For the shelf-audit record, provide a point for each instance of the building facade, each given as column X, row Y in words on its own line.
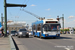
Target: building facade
column 11, row 25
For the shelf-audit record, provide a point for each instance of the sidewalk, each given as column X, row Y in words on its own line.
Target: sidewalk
column 4, row 43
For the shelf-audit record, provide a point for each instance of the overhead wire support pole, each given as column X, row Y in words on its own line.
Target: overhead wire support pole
column 5, row 13
column 2, row 19
column 15, row 5
column 63, row 22
column 5, row 18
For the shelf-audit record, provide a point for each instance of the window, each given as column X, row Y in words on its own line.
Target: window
column 51, row 21
column 22, row 30
column 51, row 27
column 39, row 27
column 13, row 32
column 16, row 28
column 33, row 27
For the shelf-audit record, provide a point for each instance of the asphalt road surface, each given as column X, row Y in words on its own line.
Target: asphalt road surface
column 65, row 42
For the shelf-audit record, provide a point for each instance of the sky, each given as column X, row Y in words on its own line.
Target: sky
column 42, row 8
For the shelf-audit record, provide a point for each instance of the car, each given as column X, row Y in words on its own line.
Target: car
column 13, row 33
column 23, row 33
column 16, row 33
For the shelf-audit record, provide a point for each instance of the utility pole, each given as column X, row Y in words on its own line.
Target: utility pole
column 5, row 18
column 2, row 19
column 63, row 22
column 5, row 13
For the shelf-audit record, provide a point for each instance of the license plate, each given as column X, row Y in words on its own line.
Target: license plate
column 23, row 35
column 52, row 34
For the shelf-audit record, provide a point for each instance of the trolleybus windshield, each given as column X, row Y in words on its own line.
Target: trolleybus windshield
column 51, row 27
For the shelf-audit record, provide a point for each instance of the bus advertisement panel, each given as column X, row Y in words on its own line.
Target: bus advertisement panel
column 0, row 25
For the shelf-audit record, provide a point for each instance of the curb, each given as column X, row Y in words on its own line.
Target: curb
column 12, row 45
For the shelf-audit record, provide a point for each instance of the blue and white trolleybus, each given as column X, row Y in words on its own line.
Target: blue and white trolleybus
column 46, row 28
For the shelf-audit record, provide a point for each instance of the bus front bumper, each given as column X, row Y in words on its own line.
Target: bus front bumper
column 46, row 35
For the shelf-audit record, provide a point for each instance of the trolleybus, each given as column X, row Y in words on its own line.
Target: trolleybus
column 46, row 28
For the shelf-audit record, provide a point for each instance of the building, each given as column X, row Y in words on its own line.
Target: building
column 11, row 25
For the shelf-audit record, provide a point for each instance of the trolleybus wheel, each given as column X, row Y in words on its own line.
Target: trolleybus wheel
column 34, row 36
column 18, row 36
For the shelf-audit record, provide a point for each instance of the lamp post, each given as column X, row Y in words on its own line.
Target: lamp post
column 62, row 21
column 5, row 18
column 2, row 18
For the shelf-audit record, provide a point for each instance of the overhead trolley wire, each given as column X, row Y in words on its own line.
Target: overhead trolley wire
column 20, row 9
column 27, row 1
column 40, row 18
column 24, row 1
column 31, row 13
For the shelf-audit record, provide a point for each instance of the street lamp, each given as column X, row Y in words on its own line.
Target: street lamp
column 2, row 19
column 62, row 21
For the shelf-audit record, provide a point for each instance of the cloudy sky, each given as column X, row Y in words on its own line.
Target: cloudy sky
column 41, row 8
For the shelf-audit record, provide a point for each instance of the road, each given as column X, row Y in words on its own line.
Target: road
column 65, row 42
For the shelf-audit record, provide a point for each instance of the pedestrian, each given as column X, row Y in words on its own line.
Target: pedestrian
column 7, row 32
column 2, row 32
column 68, row 32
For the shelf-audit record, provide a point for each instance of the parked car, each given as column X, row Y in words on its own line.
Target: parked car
column 13, row 33
column 23, row 32
column 16, row 33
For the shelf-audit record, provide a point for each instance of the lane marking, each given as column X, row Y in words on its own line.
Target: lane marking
column 55, row 43
column 67, row 48
column 38, row 39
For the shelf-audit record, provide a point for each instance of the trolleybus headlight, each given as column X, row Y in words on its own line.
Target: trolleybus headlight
column 57, row 34
column 46, row 34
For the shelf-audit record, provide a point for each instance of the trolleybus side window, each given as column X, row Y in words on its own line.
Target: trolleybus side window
column 39, row 27
column 33, row 27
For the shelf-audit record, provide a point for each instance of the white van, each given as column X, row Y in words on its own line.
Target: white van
column 71, row 30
